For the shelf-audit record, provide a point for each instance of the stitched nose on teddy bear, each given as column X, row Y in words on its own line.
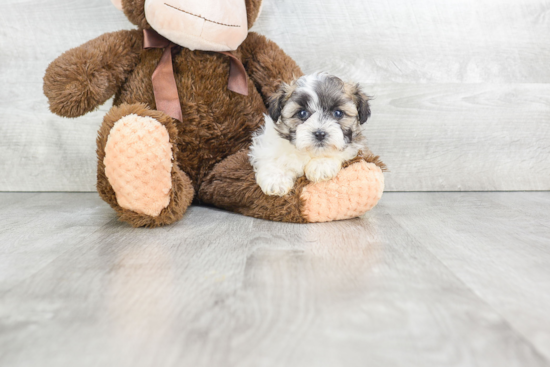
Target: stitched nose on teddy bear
column 206, row 25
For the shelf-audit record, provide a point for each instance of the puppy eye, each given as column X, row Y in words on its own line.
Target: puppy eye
column 303, row 114
column 338, row 114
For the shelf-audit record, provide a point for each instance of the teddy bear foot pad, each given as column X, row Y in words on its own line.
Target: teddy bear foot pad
column 356, row 190
column 138, row 164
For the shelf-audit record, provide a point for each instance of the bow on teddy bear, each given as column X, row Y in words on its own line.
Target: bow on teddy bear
column 153, row 160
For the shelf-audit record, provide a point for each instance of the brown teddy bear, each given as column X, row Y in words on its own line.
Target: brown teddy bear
column 191, row 86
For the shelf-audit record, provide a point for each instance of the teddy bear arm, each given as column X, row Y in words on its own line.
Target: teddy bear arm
column 85, row 77
column 267, row 64
column 357, row 188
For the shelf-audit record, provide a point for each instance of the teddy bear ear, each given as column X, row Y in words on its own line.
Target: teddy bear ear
column 117, row 4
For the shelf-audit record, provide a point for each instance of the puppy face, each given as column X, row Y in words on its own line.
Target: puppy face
column 319, row 113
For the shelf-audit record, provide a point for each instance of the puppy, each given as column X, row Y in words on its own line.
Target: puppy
column 314, row 125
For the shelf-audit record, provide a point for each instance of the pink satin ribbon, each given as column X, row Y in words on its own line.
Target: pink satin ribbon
column 164, row 82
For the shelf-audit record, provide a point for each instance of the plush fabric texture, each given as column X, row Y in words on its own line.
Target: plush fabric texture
column 138, row 164
column 232, row 185
column 209, row 25
column 208, row 147
column 356, row 190
column 85, row 77
column 216, row 122
column 182, row 192
column 135, row 11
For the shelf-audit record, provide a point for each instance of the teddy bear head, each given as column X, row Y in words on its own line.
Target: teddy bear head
column 207, row 25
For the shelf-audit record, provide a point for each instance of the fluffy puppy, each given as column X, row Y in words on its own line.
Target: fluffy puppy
column 314, row 125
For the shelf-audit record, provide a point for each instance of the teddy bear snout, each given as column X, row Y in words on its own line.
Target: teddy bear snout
column 206, row 25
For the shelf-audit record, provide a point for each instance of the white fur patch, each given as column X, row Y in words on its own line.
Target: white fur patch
column 315, row 144
column 278, row 163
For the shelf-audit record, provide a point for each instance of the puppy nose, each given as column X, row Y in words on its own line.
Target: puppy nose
column 320, row 135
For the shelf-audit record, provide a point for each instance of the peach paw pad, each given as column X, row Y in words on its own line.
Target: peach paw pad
column 356, row 190
column 138, row 164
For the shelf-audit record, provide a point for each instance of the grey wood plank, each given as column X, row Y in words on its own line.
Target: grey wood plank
column 461, row 86
column 12, row 198
column 34, row 232
column 40, row 151
column 532, row 204
column 498, row 244
column 462, row 137
column 421, row 41
column 220, row 289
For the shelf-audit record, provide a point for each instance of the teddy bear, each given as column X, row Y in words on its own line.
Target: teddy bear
column 191, row 85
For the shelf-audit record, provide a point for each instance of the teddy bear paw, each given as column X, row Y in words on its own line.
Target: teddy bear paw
column 138, row 164
column 354, row 191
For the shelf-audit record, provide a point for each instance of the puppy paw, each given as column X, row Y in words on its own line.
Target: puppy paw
column 275, row 184
column 318, row 170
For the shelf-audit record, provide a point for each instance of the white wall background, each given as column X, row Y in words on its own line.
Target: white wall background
column 462, row 87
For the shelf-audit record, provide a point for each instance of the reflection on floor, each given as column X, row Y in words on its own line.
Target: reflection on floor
column 425, row 279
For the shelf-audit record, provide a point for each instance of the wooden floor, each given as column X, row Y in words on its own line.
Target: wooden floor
column 425, row 279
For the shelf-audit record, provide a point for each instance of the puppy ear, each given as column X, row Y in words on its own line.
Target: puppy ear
column 277, row 103
column 362, row 103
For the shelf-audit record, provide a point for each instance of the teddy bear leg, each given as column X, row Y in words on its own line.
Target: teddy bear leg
column 356, row 189
column 137, row 174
